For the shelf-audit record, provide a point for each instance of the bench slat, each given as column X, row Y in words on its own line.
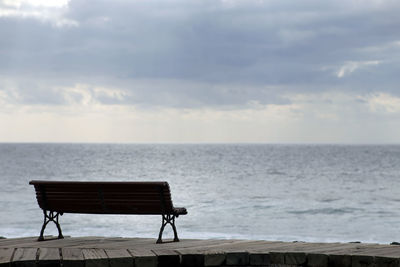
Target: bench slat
column 62, row 206
column 114, row 210
column 100, row 197
column 79, row 200
column 105, row 195
column 109, row 203
column 116, row 193
column 106, row 186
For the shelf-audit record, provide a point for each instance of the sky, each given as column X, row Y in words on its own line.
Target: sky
column 200, row 71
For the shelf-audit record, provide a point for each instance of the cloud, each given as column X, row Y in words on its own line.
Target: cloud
column 207, row 41
column 328, row 117
column 351, row 66
column 383, row 103
column 317, row 62
column 202, row 53
column 35, row 3
column 83, row 94
column 41, row 10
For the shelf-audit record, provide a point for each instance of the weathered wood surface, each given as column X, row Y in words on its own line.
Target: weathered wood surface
column 48, row 257
column 6, row 256
column 143, row 252
column 119, row 257
column 25, row 257
column 95, row 257
column 72, row 257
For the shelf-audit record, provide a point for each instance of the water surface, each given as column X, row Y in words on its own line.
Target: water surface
column 273, row 192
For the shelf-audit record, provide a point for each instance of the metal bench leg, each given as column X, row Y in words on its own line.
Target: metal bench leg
column 50, row 216
column 167, row 219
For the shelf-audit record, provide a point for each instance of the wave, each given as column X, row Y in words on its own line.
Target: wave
column 326, row 211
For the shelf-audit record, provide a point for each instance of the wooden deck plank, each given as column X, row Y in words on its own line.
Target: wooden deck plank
column 384, row 261
column 339, row 260
column 283, row 246
column 49, row 254
column 11, row 242
column 234, row 253
column 216, row 253
column 191, row 255
column 234, row 246
column 214, row 258
column 122, row 243
column 72, row 257
column 317, row 260
column 191, row 243
column 49, row 257
column 187, row 244
column 143, row 257
column 102, row 242
column 347, row 249
column 201, row 256
column 95, row 257
column 6, row 256
column 257, row 259
column 119, row 258
column 166, row 257
column 82, row 242
column 25, row 257
column 386, row 251
column 34, row 243
column 294, row 253
column 69, row 254
column 212, row 246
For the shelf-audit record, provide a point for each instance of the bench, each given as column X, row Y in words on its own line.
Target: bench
column 146, row 198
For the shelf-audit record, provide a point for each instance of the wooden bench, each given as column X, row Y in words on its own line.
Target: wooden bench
column 146, row 198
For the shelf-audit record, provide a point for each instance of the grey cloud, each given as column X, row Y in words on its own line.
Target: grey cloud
column 144, row 93
column 210, row 46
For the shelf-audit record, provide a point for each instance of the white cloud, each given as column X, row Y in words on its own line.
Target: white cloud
column 78, row 95
column 383, row 103
column 42, row 10
column 9, row 94
column 36, row 3
column 199, row 70
column 351, row 66
column 119, row 123
column 291, row 37
column 330, row 106
column 111, row 93
column 3, row 97
column 87, row 95
column 311, row 118
column 390, row 46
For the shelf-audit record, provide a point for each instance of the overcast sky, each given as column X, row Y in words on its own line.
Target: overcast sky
column 273, row 71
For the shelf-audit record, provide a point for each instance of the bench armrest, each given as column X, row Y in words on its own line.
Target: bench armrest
column 179, row 211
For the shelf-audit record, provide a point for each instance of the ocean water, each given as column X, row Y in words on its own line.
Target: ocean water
column 318, row 193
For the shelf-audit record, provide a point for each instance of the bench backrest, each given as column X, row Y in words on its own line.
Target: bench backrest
column 104, row 197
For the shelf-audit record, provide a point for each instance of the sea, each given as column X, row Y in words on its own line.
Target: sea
column 311, row 193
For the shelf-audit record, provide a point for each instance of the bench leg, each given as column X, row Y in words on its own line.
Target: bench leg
column 50, row 216
column 167, row 219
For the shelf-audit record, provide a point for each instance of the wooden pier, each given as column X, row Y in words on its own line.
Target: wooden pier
column 142, row 252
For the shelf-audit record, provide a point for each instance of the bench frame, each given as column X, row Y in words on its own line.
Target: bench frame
column 49, row 216
column 53, row 216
